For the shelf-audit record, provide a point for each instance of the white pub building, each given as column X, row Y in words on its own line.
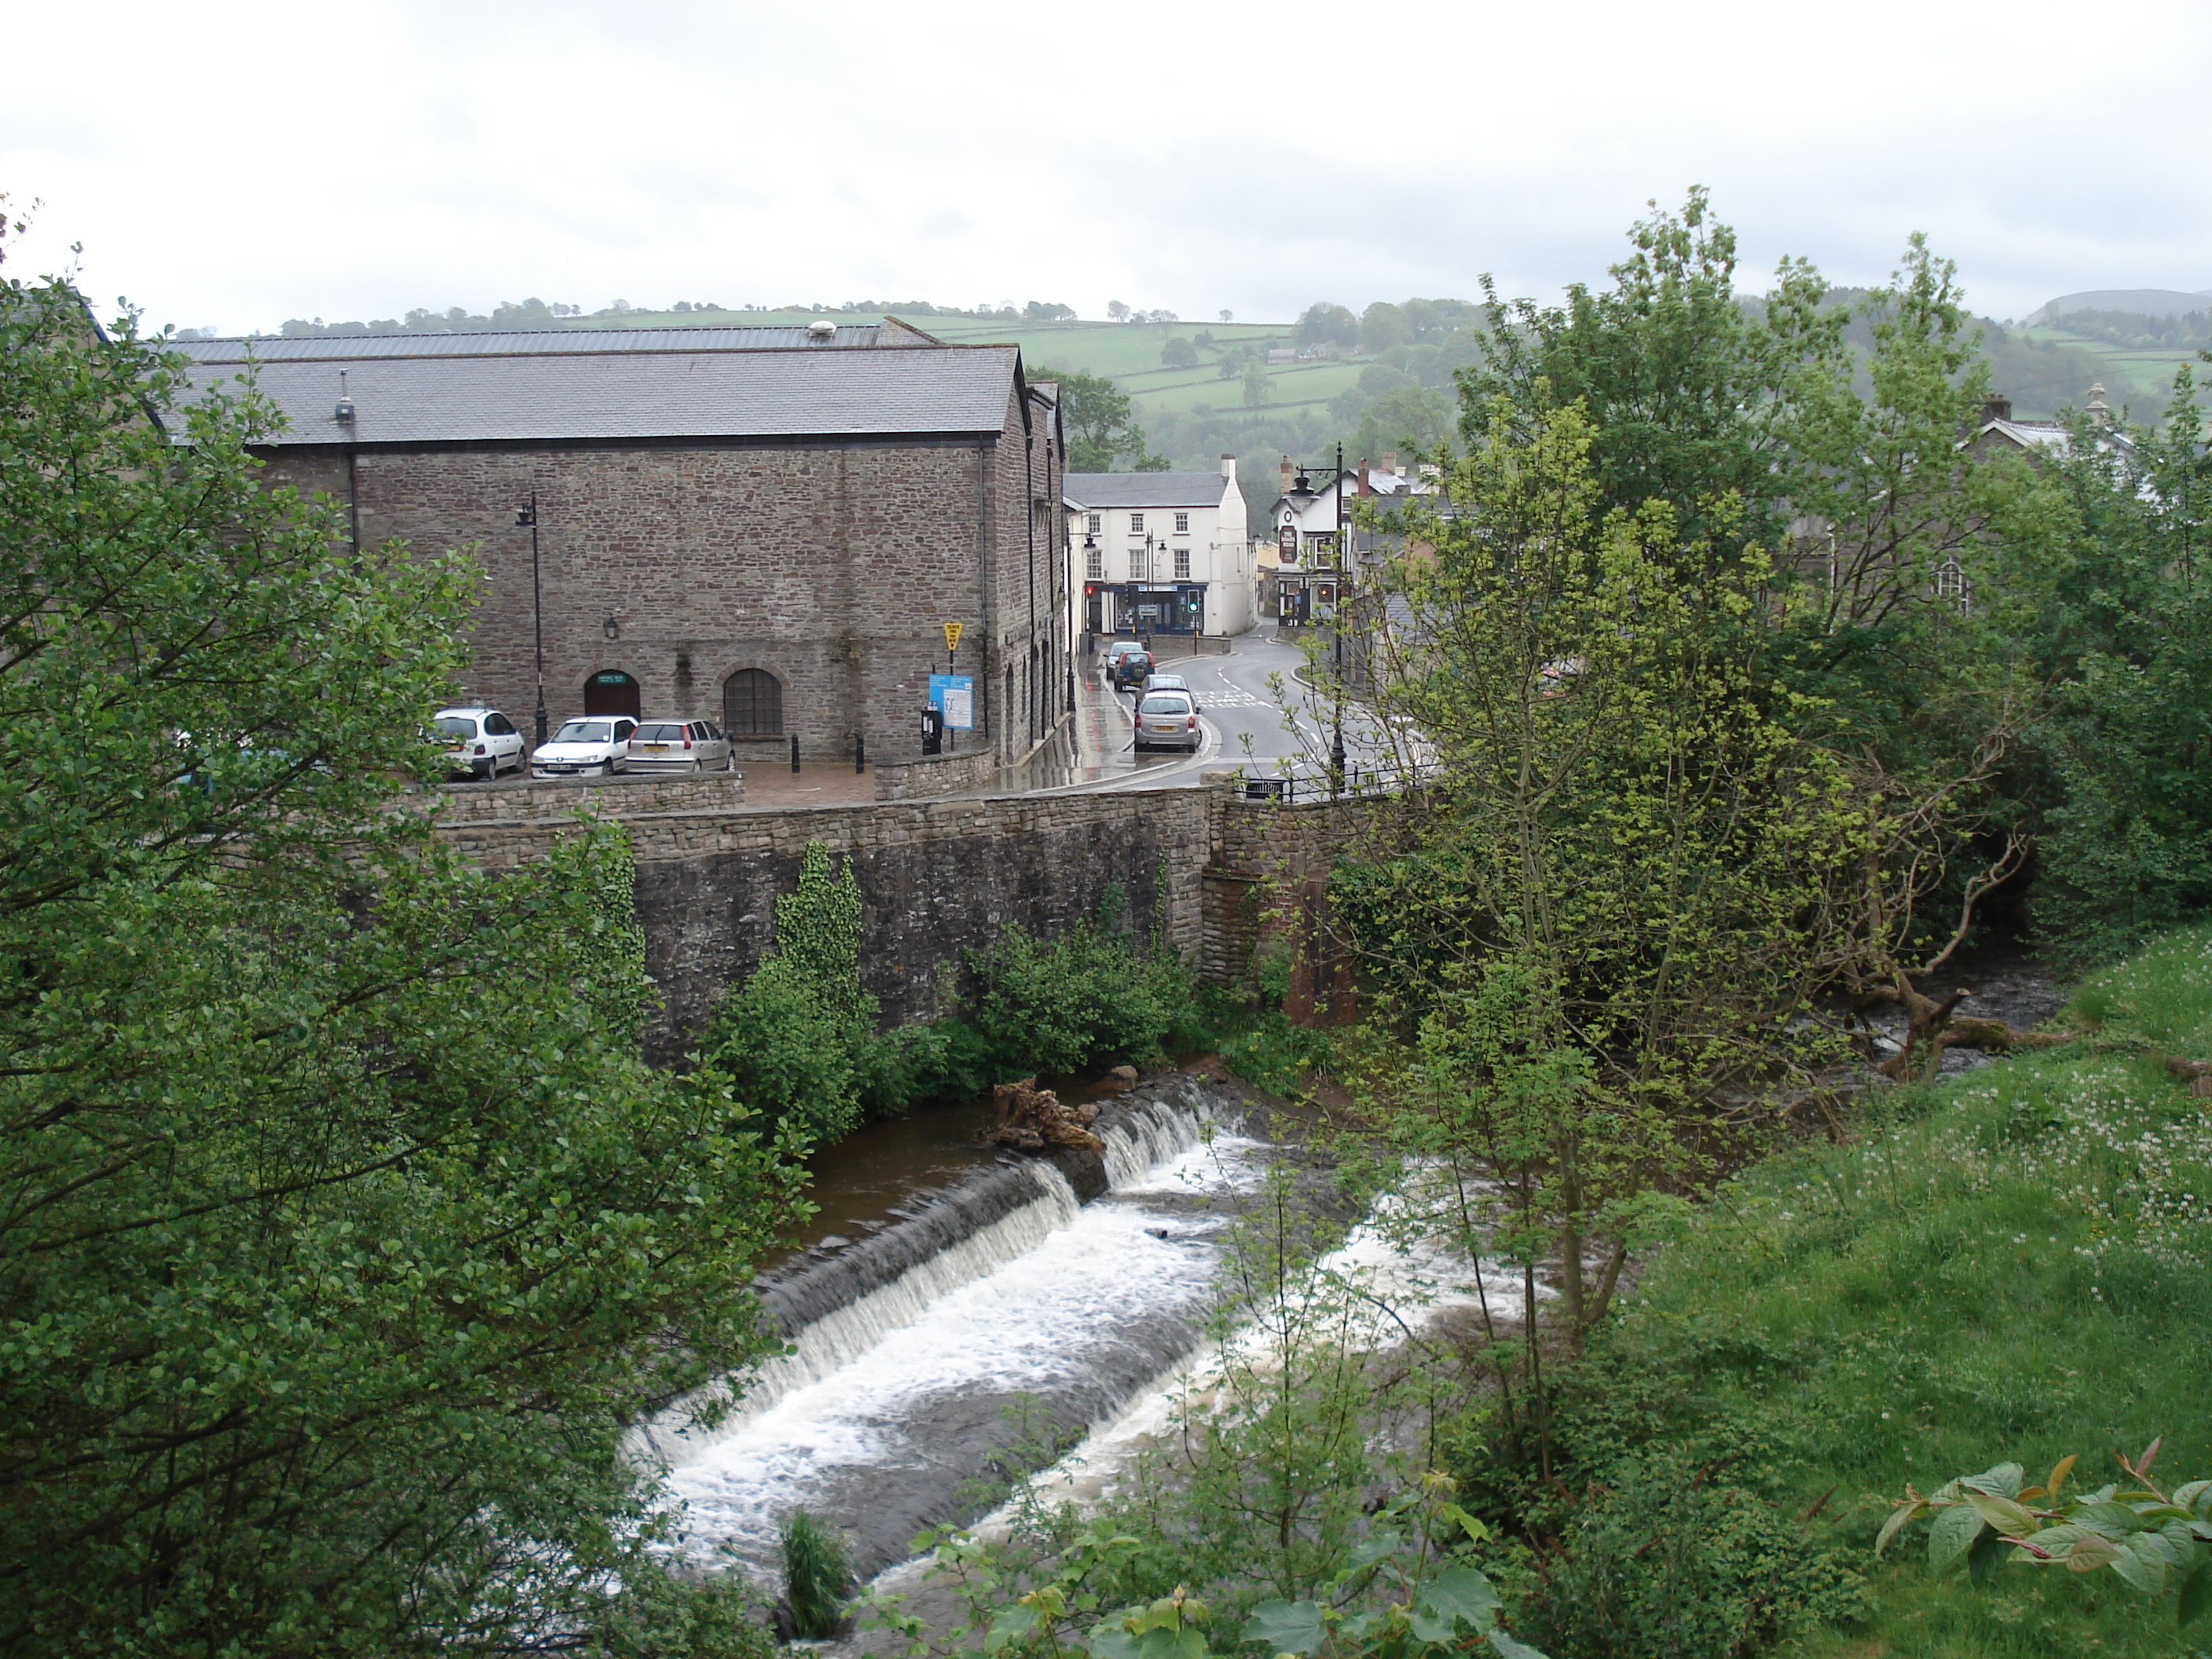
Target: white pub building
column 1160, row 552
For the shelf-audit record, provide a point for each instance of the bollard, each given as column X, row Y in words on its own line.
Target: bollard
column 794, row 751
column 859, row 752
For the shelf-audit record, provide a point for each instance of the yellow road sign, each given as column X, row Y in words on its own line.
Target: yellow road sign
column 952, row 636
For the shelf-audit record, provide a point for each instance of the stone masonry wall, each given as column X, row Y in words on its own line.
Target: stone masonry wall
column 935, row 876
column 1212, row 874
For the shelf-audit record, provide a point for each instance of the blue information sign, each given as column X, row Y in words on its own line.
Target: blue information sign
column 953, row 696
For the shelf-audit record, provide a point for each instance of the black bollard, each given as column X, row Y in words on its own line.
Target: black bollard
column 794, row 751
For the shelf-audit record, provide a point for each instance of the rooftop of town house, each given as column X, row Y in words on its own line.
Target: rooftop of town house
column 1100, row 490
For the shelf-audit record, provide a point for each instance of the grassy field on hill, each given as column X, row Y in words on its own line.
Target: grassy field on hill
column 2013, row 1265
column 2139, row 379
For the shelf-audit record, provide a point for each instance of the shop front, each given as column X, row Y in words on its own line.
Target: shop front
column 1160, row 607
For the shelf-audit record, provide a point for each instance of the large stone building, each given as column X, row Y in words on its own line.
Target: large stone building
column 766, row 526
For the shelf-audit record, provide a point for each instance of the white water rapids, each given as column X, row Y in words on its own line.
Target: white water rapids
column 1091, row 1314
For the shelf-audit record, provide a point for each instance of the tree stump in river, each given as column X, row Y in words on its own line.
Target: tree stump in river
column 1030, row 1119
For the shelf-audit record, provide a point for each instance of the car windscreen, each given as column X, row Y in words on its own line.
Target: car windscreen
column 455, row 725
column 659, row 733
column 585, row 731
column 1168, row 703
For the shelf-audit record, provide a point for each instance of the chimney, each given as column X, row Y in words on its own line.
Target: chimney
column 1287, row 475
column 1228, row 466
column 1996, row 407
column 1364, row 489
column 2099, row 411
column 1390, row 463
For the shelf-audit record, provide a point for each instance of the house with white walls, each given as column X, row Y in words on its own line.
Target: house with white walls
column 1160, row 552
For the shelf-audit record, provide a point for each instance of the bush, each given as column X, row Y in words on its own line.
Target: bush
column 818, row 1581
column 1670, row 1562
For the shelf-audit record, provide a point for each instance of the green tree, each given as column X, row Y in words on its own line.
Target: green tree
column 1689, row 394
column 1383, row 325
column 1179, row 353
column 1258, row 387
column 343, row 1230
column 1324, row 324
column 1102, row 426
column 1617, row 900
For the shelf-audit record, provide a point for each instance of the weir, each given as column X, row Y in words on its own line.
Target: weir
column 992, row 1322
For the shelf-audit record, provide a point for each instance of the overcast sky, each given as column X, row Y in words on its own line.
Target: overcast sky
column 236, row 162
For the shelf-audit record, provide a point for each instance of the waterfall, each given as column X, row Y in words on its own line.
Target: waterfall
column 845, row 1330
column 990, row 1316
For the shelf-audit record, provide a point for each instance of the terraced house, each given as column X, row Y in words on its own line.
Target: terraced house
column 765, row 526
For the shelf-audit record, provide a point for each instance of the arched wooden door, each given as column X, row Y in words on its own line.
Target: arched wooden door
column 610, row 691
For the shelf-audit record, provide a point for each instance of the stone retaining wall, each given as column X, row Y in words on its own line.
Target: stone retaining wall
column 1212, row 874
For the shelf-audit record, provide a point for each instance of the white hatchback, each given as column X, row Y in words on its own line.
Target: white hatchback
column 680, row 746
column 479, row 741
column 595, row 744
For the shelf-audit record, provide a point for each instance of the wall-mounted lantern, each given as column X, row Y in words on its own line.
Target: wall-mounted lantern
column 612, row 628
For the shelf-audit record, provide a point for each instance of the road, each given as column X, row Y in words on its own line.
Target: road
column 1242, row 715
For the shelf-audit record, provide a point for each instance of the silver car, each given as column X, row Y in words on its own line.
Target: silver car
column 680, row 746
column 1168, row 720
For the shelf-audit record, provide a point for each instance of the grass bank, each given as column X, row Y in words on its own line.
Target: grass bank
column 2007, row 1266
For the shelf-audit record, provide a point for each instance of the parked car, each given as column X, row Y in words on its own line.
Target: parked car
column 1167, row 720
column 594, row 743
column 484, row 743
column 680, row 746
column 1127, row 663
column 1171, row 683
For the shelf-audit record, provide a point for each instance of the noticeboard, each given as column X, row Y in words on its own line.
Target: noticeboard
column 953, row 696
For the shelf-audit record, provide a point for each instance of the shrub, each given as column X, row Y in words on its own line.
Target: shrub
column 1670, row 1562
column 818, row 1581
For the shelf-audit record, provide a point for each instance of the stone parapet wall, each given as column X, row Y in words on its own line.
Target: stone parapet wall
column 935, row 775
column 621, row 797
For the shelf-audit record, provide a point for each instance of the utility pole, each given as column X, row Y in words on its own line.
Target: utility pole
column 1336, row 631
column 525, row 516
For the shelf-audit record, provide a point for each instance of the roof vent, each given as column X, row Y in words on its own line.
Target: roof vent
column 821, row 329
column 343, row 416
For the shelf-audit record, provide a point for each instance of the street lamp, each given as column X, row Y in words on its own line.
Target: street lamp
column 525, row 518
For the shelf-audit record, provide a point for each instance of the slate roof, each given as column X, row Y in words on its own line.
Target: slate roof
column 533, row 342
column 644, row 390
column 1100, row 490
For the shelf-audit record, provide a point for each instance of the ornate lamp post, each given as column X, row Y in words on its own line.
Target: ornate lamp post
column 525, row 518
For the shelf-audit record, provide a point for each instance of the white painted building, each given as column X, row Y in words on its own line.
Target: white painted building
column 1160, row 552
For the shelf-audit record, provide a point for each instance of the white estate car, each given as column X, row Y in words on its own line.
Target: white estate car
column 482, row 742
column 591, row 743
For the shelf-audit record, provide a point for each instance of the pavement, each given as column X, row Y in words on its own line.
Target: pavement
column 1257, row 714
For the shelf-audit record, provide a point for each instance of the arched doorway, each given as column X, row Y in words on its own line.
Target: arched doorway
column 610, row 691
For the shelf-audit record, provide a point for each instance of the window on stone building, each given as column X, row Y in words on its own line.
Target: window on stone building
column 1182, row 524
column 1094, row 561
column 1951, row 583
column 1182, row 563
column 752, row 704
column 1137, row 571
column 1136, row 523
